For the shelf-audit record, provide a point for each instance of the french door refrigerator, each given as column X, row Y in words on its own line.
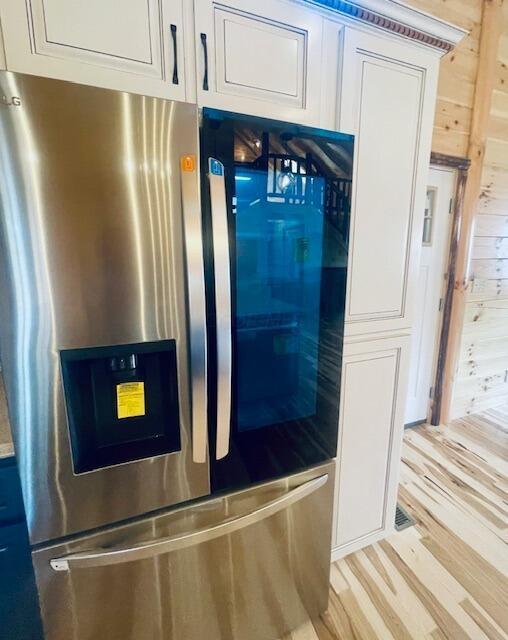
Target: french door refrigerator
column 172, row 287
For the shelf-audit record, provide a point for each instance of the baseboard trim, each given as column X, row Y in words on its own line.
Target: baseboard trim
column 360, row 543
column 416, row 423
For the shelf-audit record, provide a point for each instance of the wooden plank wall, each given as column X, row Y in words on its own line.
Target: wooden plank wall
column 482, row 379
column 457, row 74
column 482, row 375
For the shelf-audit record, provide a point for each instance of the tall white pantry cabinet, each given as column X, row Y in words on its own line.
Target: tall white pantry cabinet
column 366, row 67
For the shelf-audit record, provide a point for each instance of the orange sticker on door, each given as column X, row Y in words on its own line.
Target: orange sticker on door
column 188, row 163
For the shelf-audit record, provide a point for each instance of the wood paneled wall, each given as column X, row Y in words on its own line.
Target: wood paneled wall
column 457, row 75
column 481, row 379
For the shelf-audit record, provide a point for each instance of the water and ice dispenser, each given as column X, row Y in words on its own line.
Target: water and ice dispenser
column 122, row 403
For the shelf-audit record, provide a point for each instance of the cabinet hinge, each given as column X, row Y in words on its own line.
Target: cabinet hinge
column 431, row 393
column 441, row 304
column 450, row 209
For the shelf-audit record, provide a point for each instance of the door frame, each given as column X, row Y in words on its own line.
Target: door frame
column 461, row 165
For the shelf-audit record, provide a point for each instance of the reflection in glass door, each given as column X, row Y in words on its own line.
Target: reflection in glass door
column 288, row 192
column 279, row 249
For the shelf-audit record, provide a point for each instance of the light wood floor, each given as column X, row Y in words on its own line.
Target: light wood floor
column 447, row 576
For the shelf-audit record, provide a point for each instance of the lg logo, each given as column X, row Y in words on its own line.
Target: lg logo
column 13, row 102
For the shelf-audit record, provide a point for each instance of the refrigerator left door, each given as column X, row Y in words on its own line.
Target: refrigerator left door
column 102, row 320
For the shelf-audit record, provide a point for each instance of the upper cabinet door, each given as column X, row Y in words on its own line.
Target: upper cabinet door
column 387, row 101
column 133, row 45
column 259, row 57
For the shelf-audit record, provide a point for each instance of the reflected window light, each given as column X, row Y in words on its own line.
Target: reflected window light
column 286, row 182
column 33, row 157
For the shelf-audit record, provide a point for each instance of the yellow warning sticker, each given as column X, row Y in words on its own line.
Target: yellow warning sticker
column 130, row 399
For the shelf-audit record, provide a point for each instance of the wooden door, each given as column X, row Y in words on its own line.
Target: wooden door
column 431, row 281
column 133, row 45
column 259, row 57
column 387, row 101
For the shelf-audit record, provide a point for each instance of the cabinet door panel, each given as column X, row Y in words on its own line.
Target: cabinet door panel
column 382, row 221
column 128, row 45
column 263, row 58
column 371, row 427
column 387, row 98
column 98, row 27
column 260, row 61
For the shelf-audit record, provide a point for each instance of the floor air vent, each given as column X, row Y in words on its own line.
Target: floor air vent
column 402, row 519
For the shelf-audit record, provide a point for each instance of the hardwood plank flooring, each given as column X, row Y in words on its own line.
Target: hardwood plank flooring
column 446, row 577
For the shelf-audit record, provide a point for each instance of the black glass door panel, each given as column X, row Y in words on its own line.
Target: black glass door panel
column 288, row 191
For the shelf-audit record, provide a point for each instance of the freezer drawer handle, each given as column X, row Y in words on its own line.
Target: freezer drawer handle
column 220, row 238
column 119, row 555
column 196, row 296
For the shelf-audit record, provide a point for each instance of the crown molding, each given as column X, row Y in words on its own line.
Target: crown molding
column 394, row 16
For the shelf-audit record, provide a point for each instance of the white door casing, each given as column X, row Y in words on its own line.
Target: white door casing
column 430, row 289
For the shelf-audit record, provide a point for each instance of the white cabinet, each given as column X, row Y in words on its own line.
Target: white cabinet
column 373, row 384
column 133, row 45
column 387, row 97
column 254, row 57
column 260, row 57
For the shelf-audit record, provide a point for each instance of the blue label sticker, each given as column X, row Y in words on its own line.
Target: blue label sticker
column 216, row 167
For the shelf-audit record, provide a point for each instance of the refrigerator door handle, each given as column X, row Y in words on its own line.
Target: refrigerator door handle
column 220, row 237
column 154, row 548
column 197, row 310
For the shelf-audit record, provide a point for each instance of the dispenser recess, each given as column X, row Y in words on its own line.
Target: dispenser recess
column 122, row 403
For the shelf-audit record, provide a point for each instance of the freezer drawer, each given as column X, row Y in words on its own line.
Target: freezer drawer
column 249, row 565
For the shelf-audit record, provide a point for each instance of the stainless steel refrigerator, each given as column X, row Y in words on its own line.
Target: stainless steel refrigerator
column 172, row 291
